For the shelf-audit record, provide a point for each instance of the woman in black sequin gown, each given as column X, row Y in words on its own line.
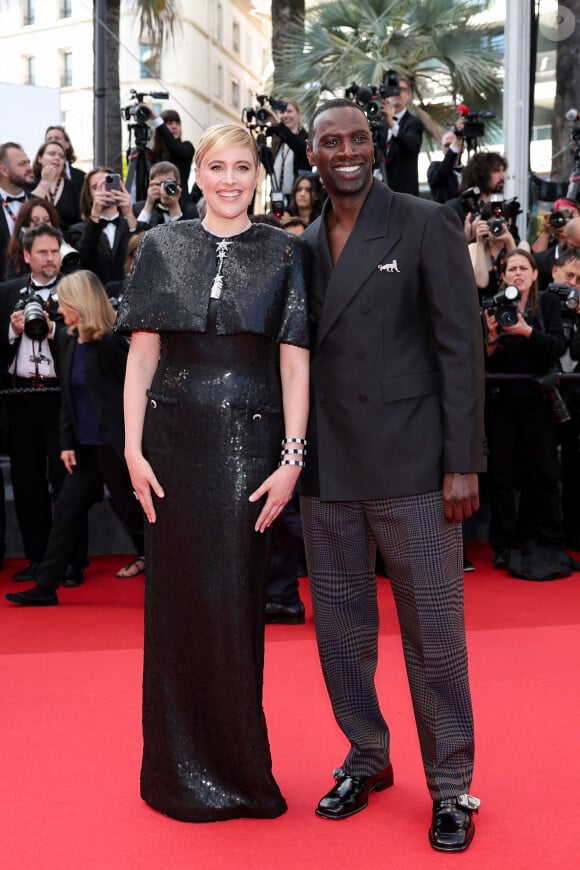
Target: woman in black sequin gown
column 212, row 307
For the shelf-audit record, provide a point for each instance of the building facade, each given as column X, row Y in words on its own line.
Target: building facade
column 211, row 68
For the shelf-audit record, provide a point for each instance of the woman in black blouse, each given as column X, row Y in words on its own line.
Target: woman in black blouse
column 521, row 429
column 54, row 185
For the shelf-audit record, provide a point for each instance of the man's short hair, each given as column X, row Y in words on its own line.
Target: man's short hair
column 566, row 255
column 339, row 103
column 5, row 148
column 479, row 168
column 38, row 230
column 162, row 168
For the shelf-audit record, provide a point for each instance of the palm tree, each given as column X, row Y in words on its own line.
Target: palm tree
column 434, row 43
column 287, row 15
column 157, row 21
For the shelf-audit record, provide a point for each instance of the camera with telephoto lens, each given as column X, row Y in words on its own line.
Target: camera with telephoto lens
column 137, row 112
column 559, row 219
column 549, row 386
column 569, row 299
column 503, row 306
column 369, row 97
column 35, row 324
column 170, row 187
column 259, row 117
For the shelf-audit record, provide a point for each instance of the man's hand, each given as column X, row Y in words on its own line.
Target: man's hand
column 388, row 113
column 460, row 496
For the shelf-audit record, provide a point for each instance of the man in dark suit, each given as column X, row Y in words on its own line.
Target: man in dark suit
column 164, row 203
column 402, row 143
column 394, row 446
column 30, row 361
column 444, row 176
column 15, row 176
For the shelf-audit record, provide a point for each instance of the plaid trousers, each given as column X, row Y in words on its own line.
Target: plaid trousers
column 423, row 556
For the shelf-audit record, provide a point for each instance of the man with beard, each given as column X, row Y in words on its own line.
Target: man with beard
column 482, row 178
column 395, row 444
column 16, row 176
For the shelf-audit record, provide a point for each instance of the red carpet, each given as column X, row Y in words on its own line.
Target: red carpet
column 69, row 720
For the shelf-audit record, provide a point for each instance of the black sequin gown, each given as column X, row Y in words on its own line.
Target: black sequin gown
column 212, row 433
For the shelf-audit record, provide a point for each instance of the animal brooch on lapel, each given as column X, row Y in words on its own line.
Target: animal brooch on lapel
column 389, row 267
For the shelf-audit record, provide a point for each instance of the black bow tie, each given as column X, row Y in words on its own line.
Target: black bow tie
column 21, row 198
column 105, row 222
column 36, row 288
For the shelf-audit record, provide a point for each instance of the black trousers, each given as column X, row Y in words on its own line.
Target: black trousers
column 523, row 439
column 287, row 548
column 80, row 490
column 35, row 466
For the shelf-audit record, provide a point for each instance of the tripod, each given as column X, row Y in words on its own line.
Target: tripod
column 139, row 161
column 267, row 160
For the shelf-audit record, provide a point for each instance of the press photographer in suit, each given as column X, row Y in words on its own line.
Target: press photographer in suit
column 404, row 134
column 30, row 359
column 394, row 446
column 163, row 204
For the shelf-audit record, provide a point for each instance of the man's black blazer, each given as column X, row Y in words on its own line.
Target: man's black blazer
column 443, row 179
column 402, row 156
column 5, row 239
column 96, row 253
column 188, row 208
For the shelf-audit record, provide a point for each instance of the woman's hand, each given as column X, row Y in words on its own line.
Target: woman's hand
column 144, row 480
column 519, row 328
column 279, row 487
column 69, row 459
column 481, row 230
column 50, row 174
column 492, row 327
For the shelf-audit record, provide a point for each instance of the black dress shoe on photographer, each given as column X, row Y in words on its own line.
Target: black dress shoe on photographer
column 350, row 795
column 289, row 614
column 73, row 576
column 38, row 596
column 452, row 827
column 28, row 574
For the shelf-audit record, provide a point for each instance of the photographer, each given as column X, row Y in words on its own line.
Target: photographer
column 493, row 241
column 102, row 238
column 444, row 176
column 482, row 178
column 569, row 237
column 562, row 211
column 566, row 282
column 289, row 145
column 521, row 427
column 29, row 321
column 168, row 145
column 401, row 147
column 163, row 203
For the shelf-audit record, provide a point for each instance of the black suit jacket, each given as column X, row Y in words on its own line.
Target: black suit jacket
column 5, row 238
column 443, row 178
column 96, row 253
column 106, row 361
column 397, row 362
column 188, row 208
column 402, row 156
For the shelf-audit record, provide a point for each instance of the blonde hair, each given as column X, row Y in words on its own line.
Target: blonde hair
column 84, row 294
column 222, row 136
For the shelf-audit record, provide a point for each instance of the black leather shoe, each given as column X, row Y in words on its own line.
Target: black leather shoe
column 38, row 596
column 73, row 576
column 289, row 614
column 350, row 795
column 27, row 574
column 500, row 561
column 452, row 827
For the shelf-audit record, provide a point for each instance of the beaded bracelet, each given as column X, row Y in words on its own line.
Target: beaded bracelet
column 287, row 450
column 298, row 462
column 294, row 441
